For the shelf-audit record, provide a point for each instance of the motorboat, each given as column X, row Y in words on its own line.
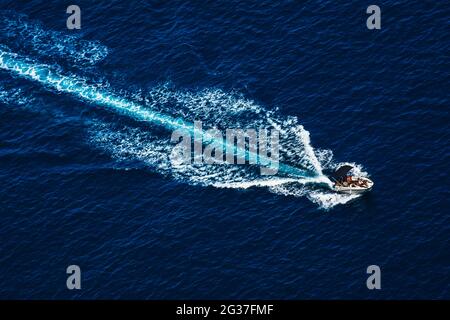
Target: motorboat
column 346, row 183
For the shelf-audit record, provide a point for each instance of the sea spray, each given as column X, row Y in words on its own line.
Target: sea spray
column 25, row 35
column 78, row 87
column 208, row 105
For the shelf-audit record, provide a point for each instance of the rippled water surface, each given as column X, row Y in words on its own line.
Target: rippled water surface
column 86, row 118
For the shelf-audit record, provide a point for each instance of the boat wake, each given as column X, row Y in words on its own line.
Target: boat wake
column 170, row 108
column 127, row 143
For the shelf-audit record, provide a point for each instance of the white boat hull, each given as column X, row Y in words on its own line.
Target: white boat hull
column 355, row 189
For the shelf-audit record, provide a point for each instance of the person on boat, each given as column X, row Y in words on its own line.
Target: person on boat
column 362, row 183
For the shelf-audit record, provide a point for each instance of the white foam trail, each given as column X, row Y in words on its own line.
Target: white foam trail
column 154, row 151
column 267, row 182
column 328, row 200
column 15, row 96
column 32, row 37
column 78, row 87
column 127, row 143
column 304, row 136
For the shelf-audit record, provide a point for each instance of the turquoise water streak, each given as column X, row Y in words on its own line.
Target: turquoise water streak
column 77, row 87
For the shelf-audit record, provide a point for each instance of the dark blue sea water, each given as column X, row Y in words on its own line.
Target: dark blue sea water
column 85, row 183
